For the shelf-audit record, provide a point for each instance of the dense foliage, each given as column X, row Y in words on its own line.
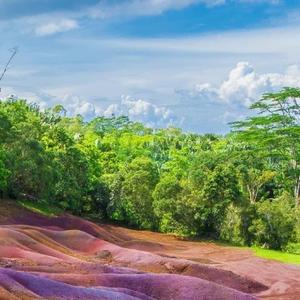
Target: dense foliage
column 243, row 188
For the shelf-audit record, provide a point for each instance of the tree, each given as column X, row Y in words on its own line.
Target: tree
column 25, row 157
column 4, row 173
column 229, row 187
column 70, row 166
column 276, row 130
column 274, row 225
column 220, row 188
column 140, row 178
column 168, row 204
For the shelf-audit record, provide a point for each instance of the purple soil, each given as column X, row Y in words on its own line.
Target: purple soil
column 69, row 258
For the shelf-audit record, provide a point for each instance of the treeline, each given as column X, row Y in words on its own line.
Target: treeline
column 243, row 187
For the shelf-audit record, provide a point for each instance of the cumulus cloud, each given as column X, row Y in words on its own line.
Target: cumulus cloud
column 73, row 104
column 143, row 111
column 242, row 87
column 136, row 109
column 56, row 27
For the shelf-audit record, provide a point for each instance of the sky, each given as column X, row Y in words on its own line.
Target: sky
column 194, row 64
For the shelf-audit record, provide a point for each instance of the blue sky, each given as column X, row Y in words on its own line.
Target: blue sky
column 197, row 64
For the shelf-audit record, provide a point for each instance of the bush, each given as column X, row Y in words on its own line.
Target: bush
column 230, row 230
column 293, row 248
column 275, row 225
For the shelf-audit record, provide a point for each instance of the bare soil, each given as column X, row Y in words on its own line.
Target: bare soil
column 67, row 257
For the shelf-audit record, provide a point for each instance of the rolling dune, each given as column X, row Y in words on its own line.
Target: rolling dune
column 67, row 257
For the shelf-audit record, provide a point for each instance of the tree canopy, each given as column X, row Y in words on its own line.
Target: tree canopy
column 243, row 187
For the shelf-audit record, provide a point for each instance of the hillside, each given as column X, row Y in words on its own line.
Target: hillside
column 65, row 257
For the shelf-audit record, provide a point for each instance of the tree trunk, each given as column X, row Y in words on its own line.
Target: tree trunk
column 297, row 192
column 252, row 194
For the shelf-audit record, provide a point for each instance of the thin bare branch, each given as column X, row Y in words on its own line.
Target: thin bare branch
column 13, row 54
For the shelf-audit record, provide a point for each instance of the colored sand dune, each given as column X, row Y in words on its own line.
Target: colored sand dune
column 69, row 258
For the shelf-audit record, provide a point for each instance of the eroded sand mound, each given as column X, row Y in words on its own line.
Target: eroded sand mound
column 70, row 258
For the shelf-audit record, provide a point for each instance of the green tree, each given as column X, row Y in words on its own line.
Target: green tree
column 220, row 188
column 4, row 173
column 173, row 206
column 229, row 187
column 274, row 226
column 140, row 178
column 276, row 130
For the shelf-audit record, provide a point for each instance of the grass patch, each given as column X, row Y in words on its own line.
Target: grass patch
column 285, row 257
column 277, row 255
column 41, row 207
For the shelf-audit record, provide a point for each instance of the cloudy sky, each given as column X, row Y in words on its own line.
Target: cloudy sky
column 197, row 64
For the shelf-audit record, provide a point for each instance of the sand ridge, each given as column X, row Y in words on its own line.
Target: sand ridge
column 67, row 257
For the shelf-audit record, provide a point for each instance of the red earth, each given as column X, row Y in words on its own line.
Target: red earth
column 67, row 257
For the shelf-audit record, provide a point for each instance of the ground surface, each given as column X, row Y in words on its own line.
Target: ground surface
column 68, row 258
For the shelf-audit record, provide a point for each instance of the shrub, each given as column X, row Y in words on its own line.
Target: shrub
column 230, row 230
column 293, row 248
column 275, row 225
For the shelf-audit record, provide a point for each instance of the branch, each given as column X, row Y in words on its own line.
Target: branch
column 13, row 54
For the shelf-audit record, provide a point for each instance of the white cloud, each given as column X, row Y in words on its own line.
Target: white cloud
column 73, row 104
column 260, row 1
column 56, row 27
column 212, row 106
column 48, row 21
column 137, row 110
column 143, row 7
column 154, row 7
column 143, row 111
column 242, row 87
column 275, row 40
